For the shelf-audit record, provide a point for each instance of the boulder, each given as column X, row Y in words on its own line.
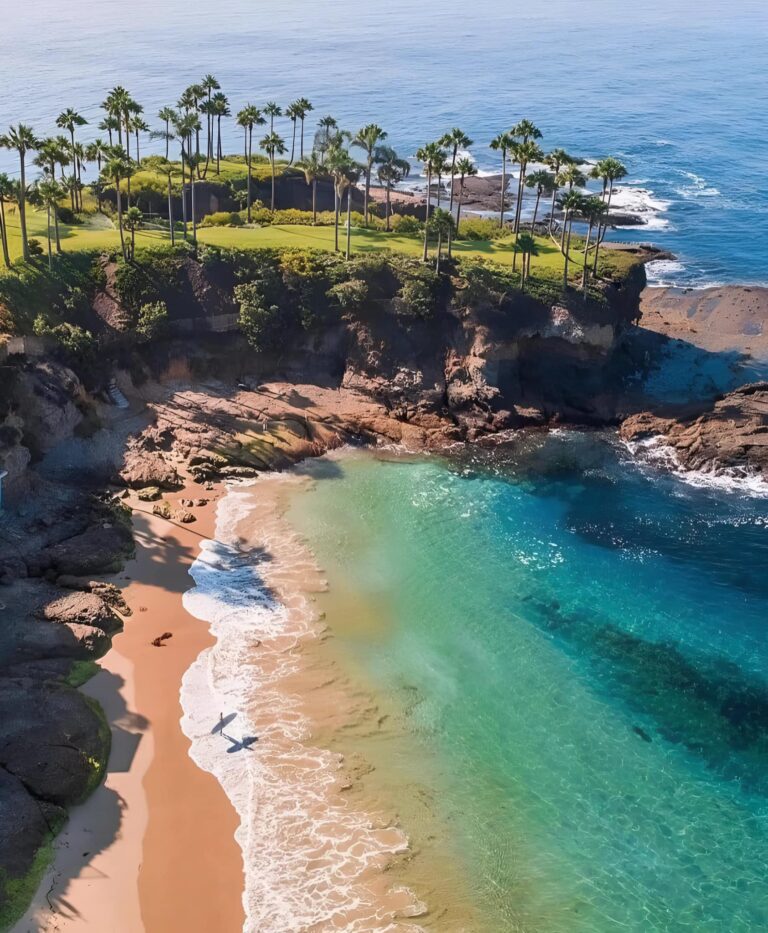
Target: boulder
column 144, row 468
column 184, row 516
column 24, row 828
column 149, row 494
column 52, row 738
column 82, row 608
column 97, row 550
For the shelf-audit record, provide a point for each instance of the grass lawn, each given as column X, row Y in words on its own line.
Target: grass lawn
column 99, row 232
column 232, row 169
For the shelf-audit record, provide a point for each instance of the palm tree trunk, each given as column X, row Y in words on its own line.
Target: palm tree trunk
column 56, row 228
column 120, row 219
column 503, row 186
column 138, row 153
column 293, row 141
column 4, row 233
column 336, row 209
column 23, row 209
column 314, row 201
column 48, row 233
column 586, row 254
column 301, row 156
column 133, row 241
column 453, row 176
column 194, row 215
column 183, row 195
column 552, row 208
column 389, row 206
column 272, row 161
column 439, row 250
column 170, row 211
column 349, row 221
column 569, row 225
column 426, row 216
column 521, row 189
column 535, row 212
column 458, row 208
column 218, row 145
column 367, row 191
column 601, row 230
column 248, row 160
column 167, row 139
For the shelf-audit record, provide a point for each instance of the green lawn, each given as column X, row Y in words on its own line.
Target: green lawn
column 99, row 233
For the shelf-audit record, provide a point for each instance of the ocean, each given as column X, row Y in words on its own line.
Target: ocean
column 677, row 89
column 572, row 649
column 536, row 679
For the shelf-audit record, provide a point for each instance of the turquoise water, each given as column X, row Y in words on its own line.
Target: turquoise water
column 676, row 89
column 579, row 645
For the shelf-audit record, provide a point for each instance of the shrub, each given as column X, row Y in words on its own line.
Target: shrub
column 417, row 296
column 153, row 321
column 406, row 225
column 266, row 326
column 67, row 215
column 222, row 219
column 480, row 228
column 350, row 295
column 35, row 247
column 77, row 344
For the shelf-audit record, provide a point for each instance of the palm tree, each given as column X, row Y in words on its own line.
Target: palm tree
column 441, row 224
column 466, row 168
column 609, row 170
column 525, row 153
column 21, row 138
column 543, row 182
column 167, row 115
column 273, row 145
column 293, row 111
column 312, row 167
column 96, row 152
column 115, row 105
column 186, row 126
column 453, row 141
column 367, row 139
column 503, row 143
column 110, row 125
column 593, row 209
column 304, row 108
column 48, row 192
column 138, row 125
column 569, row 177
column 571, row 204
column 220, row 109
column 526, row 130
column 8, row 190
column 324, row 137
column 340, row 166
column 272, row 110
column 428, row 155
column 249, row 117
column 68, row 120
column 526, row 246
column 132, row 221
column 556, row 160
column 115, row 170
column 392, row 170
column 209, row 84
column 439, row 165
column 352, row 174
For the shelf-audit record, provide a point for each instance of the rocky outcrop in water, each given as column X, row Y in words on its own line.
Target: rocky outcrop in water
column 732, row 435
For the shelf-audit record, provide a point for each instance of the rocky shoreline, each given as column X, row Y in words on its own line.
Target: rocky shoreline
column 471, row 373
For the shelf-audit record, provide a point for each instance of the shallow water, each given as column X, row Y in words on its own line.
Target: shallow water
column 576, row 645
column 677, row 90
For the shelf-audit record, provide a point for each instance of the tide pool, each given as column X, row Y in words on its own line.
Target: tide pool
column 575, row 645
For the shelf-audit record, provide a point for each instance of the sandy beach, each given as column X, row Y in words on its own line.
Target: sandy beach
column 153, row 848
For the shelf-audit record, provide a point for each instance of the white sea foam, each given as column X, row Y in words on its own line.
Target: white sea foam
column 664, row 272
column 697, row 187
column 660, row 455
column 643, row 203
column 304, row 851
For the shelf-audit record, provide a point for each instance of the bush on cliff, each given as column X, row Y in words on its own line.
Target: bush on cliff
column 152, row 321
column 266, row 326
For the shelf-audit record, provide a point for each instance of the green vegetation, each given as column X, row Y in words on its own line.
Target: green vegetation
column 18, row 892
column 81, row 672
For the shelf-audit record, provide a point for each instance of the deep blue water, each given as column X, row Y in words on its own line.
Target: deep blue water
column 675, row 88
column 578, row 644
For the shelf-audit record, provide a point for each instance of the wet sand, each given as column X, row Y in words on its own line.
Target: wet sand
column 153, row 848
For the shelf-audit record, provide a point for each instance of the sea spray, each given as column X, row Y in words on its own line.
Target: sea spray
column 310, row 861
